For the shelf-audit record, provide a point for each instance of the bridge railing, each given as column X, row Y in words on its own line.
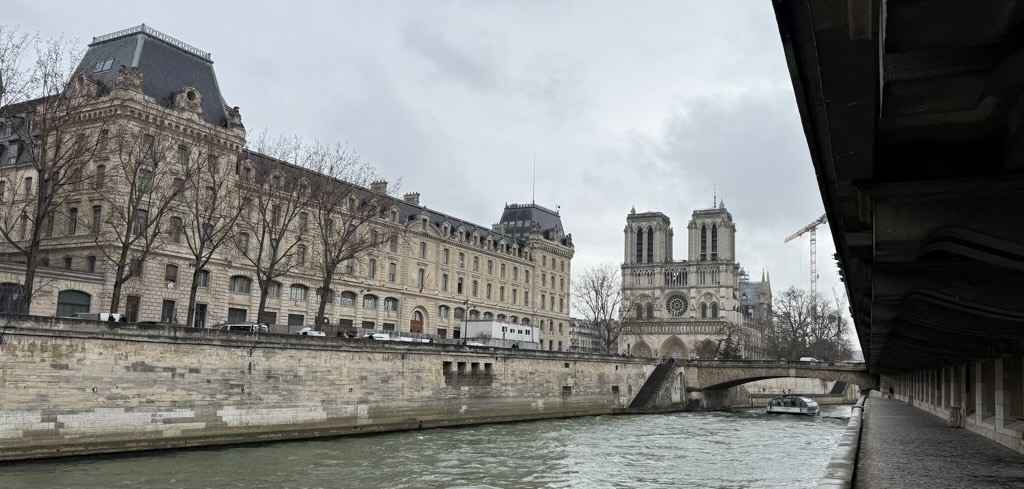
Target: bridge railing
column 775, row 363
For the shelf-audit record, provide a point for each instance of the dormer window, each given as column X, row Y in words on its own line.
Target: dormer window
column 103, row 65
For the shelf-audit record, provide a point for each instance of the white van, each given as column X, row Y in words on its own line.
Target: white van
column 99, row 316
column 378, row 336
column 246, row 328
column 809, row 360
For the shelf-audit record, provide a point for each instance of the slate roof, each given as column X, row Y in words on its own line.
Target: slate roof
column 546, row 218
column 519, row 219
column 167, row 66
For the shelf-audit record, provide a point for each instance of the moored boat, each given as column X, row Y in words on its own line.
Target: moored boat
column 790, row 404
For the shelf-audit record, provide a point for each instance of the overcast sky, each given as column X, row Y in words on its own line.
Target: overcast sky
column 627, row 103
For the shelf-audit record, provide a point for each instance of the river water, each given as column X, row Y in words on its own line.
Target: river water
column 687, row 450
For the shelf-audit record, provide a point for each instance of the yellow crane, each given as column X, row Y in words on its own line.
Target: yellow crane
column 811, row 228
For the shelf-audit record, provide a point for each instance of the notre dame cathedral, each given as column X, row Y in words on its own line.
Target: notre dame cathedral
column 704, row 306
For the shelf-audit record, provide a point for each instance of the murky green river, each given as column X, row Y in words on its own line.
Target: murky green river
column 685, row 450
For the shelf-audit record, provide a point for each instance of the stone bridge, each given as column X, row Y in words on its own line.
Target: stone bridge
column 704, row 375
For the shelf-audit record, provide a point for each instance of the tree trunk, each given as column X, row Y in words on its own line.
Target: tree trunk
column 193, row 289
column 115, row 296
column 263, row 302
column 325, row 287
column 25, row 304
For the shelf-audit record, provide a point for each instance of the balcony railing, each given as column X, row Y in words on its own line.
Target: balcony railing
column 145, row 29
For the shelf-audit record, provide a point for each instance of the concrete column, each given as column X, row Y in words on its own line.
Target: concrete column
column 1000, row 394
column 979, row 393
column 943, row 378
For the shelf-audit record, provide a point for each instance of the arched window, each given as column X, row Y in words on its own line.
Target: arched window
column 639, row 311
column 500, row 317
column 320, row 293
column 417, row 316
column 639, row 246
column 714, row 309
column 348, row 299
column 650, row 245
column 460, row 313
column 704, row 310
column 70, row 302
column 369, row 302
column 442, row 312
column 390, row 304
column 488, row 316
column 298, row 292
column 714, row 241
column 650, row 311
column 525, row 321
column 703, row 242
column 274, row 289
column 474, row 314
column 239, row 284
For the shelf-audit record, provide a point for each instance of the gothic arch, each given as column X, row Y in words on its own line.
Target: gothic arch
column 675, row 348
column 650, row 310
column 641, row 349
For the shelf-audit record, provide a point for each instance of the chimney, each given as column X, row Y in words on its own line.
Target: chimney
column 412, row 198
column 379, row 186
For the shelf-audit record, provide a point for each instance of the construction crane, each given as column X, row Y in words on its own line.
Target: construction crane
column 811, row 228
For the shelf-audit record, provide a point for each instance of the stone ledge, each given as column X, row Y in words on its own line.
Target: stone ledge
column 840, row 469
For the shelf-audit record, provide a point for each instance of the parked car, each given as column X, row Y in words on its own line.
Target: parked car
column 246, row 328
column 307, row 331
column 100, row 316
column 378, row 336
column 809, row 360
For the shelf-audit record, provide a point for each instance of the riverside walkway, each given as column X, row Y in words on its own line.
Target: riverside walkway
column 904, row 447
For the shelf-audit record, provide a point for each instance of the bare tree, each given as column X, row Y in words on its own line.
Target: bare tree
column 597, row 297
column 807, row 326
column 145, row 182
column 343, row 212
column 211, row 203
column 276, row 195
column 49, row 142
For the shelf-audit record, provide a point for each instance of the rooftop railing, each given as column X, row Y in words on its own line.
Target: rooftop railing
column 145, row 29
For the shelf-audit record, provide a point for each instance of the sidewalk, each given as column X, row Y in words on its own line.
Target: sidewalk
column 904, row 447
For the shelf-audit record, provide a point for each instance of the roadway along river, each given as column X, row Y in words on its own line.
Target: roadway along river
column 706, row 450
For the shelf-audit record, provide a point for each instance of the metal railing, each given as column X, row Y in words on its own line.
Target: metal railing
column 145, row 29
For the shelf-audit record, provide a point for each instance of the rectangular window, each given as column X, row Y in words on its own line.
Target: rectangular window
column 90, row 263
column 490, row 267
column 476, row 289
column 502, row 270
column 444, row 282
column 371, row 269
column 303, row 222
column 526, row 275
column 474, row 368
column 476, row 263
column 442, row 333
column 28, row 186
column 488, row 369
column 203, row 280
column 488, row 291
column 462, row 260
column 72, row 221
column 423, row 250
column 167, row 313
column 446, row 367
column 141, row 222
column 236, row 315
column 171, row 273
column 421, row 279
column 392, row 272
column 298, row 293
column 445, row 256
column 459, row 286
column 176, row 229
column 462, row 368
column 526, row 298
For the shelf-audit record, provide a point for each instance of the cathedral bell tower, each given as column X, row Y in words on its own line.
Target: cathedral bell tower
column 648, row 238
column 712, row 234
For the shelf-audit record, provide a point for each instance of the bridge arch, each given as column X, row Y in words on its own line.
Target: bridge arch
column 713, row 375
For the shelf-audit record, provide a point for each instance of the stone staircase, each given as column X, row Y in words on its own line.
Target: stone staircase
column 648, row 394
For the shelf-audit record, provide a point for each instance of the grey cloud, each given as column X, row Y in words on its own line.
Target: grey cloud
column 475, row 60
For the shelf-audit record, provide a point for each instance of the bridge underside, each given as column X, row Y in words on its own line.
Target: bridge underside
column 712, row 378
column 914, row 115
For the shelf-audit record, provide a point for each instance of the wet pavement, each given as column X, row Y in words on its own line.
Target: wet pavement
column 905, row 447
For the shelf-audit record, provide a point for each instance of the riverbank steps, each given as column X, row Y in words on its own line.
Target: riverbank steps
column 79, row 387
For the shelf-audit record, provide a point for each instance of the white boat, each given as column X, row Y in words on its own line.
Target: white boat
column 790, row 404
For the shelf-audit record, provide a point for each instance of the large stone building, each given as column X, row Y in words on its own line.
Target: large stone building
column 437, row 272
column 690, row 307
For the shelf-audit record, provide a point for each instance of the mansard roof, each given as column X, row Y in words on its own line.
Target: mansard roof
column 167, row 65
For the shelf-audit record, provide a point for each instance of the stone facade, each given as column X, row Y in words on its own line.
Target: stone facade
column 438, row 272
column 676, row 306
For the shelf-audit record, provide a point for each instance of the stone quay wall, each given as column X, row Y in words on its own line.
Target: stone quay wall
column 80, row 387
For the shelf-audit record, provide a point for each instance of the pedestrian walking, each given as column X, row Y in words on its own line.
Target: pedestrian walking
column 891, row 392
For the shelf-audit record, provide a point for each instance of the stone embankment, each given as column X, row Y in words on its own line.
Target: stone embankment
column 75, row 388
